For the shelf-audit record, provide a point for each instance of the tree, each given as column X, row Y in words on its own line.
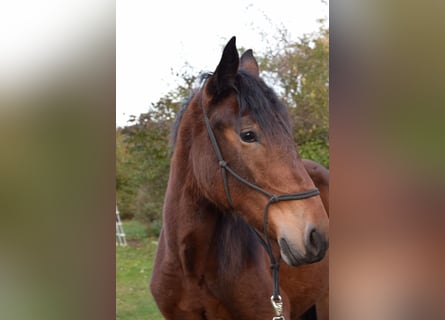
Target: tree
column 126, row 174
column 299, row 71
column 143, row 154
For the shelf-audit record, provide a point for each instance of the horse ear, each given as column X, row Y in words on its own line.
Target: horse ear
column 224, row 76
column 248, row 62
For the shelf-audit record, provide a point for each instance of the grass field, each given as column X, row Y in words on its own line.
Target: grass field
column 133, row 271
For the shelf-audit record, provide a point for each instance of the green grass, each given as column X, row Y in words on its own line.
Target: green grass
column 134, row 265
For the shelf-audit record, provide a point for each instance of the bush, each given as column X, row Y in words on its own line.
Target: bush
column 316, row 150
column 149, row 205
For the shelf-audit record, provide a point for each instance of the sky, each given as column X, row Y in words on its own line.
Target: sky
column 155, row 39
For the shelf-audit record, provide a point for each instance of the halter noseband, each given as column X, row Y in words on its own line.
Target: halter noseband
column 274, row 264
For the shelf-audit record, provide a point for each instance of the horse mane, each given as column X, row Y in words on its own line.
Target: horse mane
column 175, row 127
column 255, row 98
column 177, row 122
column 236, row 246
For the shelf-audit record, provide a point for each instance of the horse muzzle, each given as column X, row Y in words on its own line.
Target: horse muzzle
column 315, row 245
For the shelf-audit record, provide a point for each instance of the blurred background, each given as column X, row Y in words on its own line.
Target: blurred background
column 387, row 154
column 57, row 137
column 64, row 154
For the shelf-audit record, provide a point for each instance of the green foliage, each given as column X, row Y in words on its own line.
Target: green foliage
column 126, row 174
column 316, row 150
column 143, row 158
column 300, row 73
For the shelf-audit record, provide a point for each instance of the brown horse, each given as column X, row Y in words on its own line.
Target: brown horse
column 237, row 183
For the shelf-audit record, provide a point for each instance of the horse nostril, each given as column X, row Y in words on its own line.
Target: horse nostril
column 315, row 243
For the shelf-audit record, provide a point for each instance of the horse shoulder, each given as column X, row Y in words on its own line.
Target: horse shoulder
column 175, row 286
column 166, row 282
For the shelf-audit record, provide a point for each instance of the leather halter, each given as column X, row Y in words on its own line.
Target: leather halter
column 274, row 264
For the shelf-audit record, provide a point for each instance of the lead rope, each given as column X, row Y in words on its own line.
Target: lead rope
column 276, row 300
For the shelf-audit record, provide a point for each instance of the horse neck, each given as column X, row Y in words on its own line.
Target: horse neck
column 189, row 221
column 216, row 236
column 186, row 208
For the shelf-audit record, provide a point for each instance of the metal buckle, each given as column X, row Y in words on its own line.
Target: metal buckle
column 277, row 304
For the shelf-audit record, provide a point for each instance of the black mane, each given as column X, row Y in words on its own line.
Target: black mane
column 261, row 102
column 236, row 245
column 177, row 122
column 175, row 128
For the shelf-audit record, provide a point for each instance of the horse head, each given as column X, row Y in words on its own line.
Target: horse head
column 252, row 139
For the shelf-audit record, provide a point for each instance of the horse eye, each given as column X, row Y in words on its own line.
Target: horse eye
column 248, row 136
